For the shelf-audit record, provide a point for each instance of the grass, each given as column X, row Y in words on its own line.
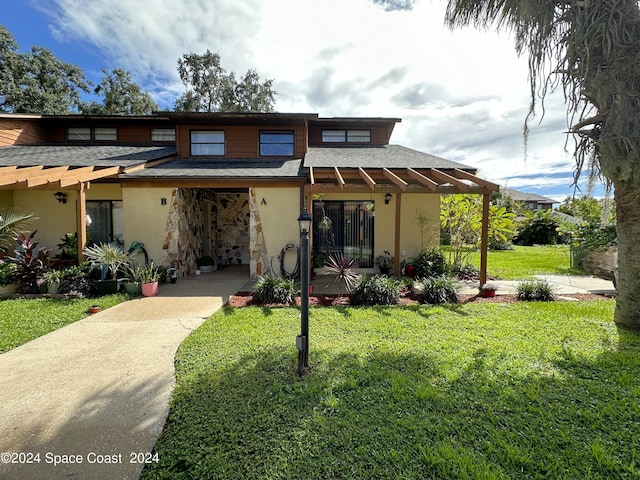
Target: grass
column 525, row 262
column 477, row 391
column 22, row 320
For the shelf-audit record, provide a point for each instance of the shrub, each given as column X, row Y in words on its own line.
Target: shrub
column 7, row 273
column 31, row 260
column 466, row 272
column 343, row 269
column 430, row 263
column 76, row 281
column 274, row 290
column 376, row 290
column 501, row 245
column 437, row 290
column 535, row 290
column 541, row 229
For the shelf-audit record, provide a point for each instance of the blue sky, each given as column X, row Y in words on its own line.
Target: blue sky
column 463, row 95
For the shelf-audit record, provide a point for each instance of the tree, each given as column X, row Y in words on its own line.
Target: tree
column 37, row 81
column 590, row 48
column 210, row 88
column 120, row 96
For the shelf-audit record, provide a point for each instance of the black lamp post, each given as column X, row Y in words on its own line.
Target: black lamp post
column 302, row 341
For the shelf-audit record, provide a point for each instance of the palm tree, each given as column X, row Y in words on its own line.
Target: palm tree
column 591, row 48
column 12, row 224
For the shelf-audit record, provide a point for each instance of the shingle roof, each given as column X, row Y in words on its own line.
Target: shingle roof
column 519, row 196
column 387, row 156
column 213, row 168
column 83, row 155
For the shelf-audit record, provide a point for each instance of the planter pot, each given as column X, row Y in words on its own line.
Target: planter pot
column 107, row 287
column 488, row 293
column 206, row 268
column 94, row 309
column 384, row 270
column 410, row 270
column 150, row 289
column 10, row 289
column 53, row 288
column 310, row 289
column 133, row 288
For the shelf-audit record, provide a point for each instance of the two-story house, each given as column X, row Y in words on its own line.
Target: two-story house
column 228, row 185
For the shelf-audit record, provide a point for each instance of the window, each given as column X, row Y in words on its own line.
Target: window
column 344, row 227
column 163, row 135
column 207, row 142
column 346, row 136
column 88, row 133
column 106, row 221
column 276, row 144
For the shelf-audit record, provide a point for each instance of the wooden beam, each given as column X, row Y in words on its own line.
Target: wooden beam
column 18, row 175
column 449, row 179
column 46, row 176
column 338, row 177
column 493, row 187
column 81, row 221
column 365, row 176
column 484, row 235
column 400, row 183
column 396, row 241
column 311, row 176
column 426, row 181
column 151, row 164
column 86, row 174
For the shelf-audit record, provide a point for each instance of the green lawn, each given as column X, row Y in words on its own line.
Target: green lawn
column 524, row 262
column 526, row 390
column 22, row 320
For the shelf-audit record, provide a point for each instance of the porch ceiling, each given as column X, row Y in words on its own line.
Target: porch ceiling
column 408, row 180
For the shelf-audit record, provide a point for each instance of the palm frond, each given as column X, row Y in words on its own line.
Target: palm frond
column 13, row 223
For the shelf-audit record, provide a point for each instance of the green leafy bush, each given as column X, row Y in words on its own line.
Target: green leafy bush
column 274, row 290
column 540, row 229
column 430, row 263
column 437, row 290
column 535, row 290
column 76, row 280
column 376, row 290
column 31, row 260
column 466, row 272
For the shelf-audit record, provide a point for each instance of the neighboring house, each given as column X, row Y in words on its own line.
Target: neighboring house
column 228, row 185
column 531, row 201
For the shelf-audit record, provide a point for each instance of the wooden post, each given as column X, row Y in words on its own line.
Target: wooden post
column 81, row 220
column 396, row 249
column 486, row 198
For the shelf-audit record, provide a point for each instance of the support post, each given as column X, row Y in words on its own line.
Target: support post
column 486, row 198
column 81, row 220
column 396, row 249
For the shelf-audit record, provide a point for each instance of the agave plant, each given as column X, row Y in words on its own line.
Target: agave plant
column 343, row 270
column 110, row 255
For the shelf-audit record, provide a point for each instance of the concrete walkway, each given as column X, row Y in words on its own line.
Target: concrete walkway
column 97, row 391
column 561, row 284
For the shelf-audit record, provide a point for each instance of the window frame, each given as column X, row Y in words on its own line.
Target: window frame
column 93, row 134
column 346, row 135
column 277, row 132
column 217, row 131
column 162, row 132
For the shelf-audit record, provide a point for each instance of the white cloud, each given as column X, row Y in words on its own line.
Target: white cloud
column 462, row 94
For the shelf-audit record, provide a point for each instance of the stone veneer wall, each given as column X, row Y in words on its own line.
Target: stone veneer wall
column 183, row 241
column 232, row 228
column 259, row 261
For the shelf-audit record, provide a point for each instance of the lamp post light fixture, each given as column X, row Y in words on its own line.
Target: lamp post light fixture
column 302, row 340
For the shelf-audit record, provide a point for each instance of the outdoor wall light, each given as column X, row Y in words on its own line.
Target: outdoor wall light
column 61, row 197
column 387, row 198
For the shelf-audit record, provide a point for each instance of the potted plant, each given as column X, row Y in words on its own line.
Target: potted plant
column 52, row 279
column 111, row 258
column 8, row 284
column 149, row 277
column 206, row 263
column 133, row 280
column 385, row 262
column 488, row 290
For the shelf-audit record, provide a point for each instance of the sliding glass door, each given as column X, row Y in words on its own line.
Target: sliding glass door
column 344, row 227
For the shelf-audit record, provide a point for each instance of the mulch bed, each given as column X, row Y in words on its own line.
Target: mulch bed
column 246, row 300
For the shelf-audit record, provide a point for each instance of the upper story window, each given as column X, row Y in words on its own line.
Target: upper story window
column 207, row 142
column 276, row 143
column 92, row 133
column 346, row 136
column 163, row 134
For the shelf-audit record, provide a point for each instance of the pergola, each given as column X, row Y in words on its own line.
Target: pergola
column 399, row 180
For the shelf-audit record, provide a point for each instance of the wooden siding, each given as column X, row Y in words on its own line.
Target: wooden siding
column 240, row 141
column 15, row 131
column 379, row 134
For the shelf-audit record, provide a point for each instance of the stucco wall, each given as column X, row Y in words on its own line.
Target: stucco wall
column 6, row 198
column 278, row 219
column 145, row 218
